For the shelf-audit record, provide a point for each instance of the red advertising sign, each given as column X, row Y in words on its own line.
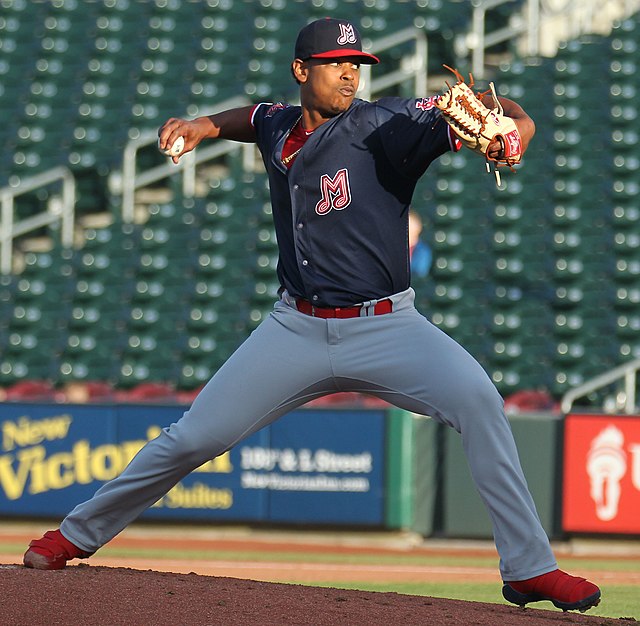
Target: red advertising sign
column 601, row 488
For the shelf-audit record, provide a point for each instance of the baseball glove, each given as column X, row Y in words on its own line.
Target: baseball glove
column 476, row 125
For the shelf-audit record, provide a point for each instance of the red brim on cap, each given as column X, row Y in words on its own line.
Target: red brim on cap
column 334, row 54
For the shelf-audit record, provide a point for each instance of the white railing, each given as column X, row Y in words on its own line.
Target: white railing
column 540, row 26
column 628, row 372
column 130, row 180
column 59, row 209
column 478, row 40
column 412, row 67
column 554, row 21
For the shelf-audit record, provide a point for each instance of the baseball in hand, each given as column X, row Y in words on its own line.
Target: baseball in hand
column 175, row 149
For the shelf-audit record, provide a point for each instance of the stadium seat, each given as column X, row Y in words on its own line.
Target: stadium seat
column 30, row 391
column 149, row 392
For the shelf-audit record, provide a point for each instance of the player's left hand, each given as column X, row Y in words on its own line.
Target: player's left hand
column 496, row 151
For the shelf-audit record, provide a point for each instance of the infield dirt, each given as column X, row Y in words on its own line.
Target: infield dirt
column 105, row 590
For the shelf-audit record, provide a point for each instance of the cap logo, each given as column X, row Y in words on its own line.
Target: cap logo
column 347, row 35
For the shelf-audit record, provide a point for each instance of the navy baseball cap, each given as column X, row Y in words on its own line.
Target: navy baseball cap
column 330, row 38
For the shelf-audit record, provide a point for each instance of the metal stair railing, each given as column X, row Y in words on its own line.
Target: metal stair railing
column 130, row 180
column 412, row 68
column 478, row 40
column 59, row 209
column 539, row 25
column 627, row 371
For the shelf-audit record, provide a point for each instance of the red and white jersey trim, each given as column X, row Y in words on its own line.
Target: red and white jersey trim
column 252, row 113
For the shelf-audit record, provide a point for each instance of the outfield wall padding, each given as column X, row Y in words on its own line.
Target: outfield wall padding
column 463, row 512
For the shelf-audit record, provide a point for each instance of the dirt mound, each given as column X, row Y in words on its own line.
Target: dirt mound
column 114, row 596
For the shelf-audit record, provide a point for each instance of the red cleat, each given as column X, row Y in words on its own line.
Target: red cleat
column 562, row 590
column 52, row 551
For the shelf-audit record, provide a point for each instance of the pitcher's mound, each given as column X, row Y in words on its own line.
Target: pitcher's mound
column 105, row 596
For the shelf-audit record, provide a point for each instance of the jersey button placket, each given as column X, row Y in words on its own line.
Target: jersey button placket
column 300, row 237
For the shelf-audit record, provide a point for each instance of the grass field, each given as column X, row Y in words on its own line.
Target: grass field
column 457, row 571
column 619, row 600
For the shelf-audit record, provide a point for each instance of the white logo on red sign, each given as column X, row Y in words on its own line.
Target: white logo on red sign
column 347, row 35
column 606, row 466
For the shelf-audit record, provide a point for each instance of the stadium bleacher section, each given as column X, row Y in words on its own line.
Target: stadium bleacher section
column 539, row 281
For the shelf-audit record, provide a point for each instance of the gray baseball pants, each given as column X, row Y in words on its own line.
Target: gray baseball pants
column 292, row 358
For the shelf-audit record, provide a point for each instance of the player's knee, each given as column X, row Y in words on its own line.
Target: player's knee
column 191, row 447
column 480, row 397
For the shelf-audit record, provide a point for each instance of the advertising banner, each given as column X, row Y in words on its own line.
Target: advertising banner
column 601, row 487
column 54, row 456
column 326, row 466
column 317, row 466
column 212, row 491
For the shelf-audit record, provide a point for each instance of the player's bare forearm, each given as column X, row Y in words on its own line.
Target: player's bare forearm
column 233, row 124
column 526, row 126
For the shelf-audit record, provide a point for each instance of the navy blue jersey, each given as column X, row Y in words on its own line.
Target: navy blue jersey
column 341, row 210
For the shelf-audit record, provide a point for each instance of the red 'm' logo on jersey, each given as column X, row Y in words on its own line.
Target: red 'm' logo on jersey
column 336, row 193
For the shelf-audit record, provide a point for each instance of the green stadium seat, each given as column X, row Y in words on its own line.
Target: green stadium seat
column 136, row 370
column 627, row 326
column 627, row 297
